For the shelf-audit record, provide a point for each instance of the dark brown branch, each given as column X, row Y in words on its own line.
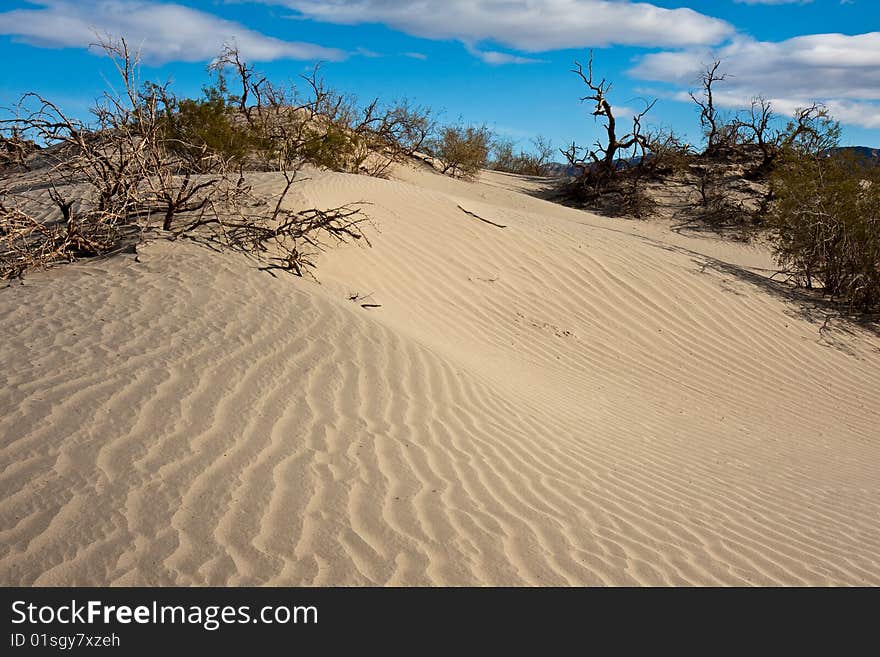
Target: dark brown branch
column 476, row 216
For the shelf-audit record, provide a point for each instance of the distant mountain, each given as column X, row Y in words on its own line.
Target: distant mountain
column 559, row 169
column 565, row 170
column 865, row 153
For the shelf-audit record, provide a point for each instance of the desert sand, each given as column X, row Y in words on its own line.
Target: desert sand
column 569, row 400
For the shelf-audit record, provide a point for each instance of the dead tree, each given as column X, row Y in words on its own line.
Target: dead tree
column 600, row 168
column 605, row 155
column 758, row 124
column 248, row 80
column 709, row 118
column 536, row 164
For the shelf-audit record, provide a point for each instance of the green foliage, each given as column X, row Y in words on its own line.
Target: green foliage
column 334, row 147
column 812, row 130
column 525, row 163
column 206, row 130
column 405, row 127
column 504, row 158
column 463, row 151
column 826, row 219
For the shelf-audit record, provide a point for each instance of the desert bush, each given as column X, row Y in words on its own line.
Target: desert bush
column 14, row 151
column 633, row 198
column 825, row 217
column 668, row 153
column 756, row 125
column 462, row 150
column 395, row 132
column 148, row 156
column 316, row 124
column 504, row 156
column 406, row 127
column 720, row 203
column 536, row 161
column 333, row 147
column 527, row 163
column 811, row 131
column 208, row 130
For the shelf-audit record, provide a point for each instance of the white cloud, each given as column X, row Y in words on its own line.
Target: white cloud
column 773, row 2
column 526, row 25
column 841, row 70
column 829, row 65
column 866, row 115
column 164, row 32
column 496, row 58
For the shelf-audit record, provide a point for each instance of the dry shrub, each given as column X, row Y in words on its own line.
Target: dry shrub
column 668, row 153
column 14, row 151
column 526, row 163
column 149, row 160
column 27, row 242
column 316, row 124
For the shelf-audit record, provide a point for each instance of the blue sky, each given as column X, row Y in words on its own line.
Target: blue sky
column 500, row 62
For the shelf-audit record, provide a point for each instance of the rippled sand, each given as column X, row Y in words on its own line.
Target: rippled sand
column 568, row 400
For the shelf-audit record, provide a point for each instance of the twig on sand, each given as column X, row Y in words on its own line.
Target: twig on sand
column 356, row 296
column 476, row 216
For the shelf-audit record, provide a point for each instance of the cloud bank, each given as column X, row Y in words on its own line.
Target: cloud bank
column 164, row 32
column 773, row 2
column 526, row 25
column 841, row 70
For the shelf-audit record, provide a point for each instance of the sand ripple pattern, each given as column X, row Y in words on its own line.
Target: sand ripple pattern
column 567, row 401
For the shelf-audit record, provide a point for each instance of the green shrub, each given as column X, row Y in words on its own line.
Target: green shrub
column 203, row 130
column 463, row 151
column 333, row 147
column 826, row 221
column 525, row 163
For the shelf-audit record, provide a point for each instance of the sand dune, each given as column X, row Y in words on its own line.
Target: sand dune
column 568, row 400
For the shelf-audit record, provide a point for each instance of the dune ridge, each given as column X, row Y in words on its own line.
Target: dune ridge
column 569, row 400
